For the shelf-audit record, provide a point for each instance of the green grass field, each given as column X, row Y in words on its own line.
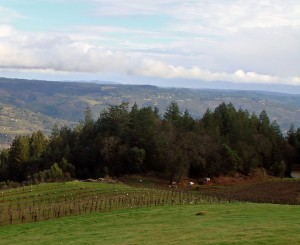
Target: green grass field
column 106, row 213
column 232, row 223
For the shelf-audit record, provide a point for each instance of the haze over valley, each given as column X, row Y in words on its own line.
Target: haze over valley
column 30, row 105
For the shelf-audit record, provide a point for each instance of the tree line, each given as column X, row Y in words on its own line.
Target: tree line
column 125, row 140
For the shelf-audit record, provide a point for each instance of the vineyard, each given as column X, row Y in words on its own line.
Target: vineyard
column 54, row 200
column 48, row 201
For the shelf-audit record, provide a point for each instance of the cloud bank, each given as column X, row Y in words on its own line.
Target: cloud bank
column 42, row 53
column 239, row 41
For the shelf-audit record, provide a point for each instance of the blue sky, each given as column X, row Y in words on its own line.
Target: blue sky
column 163, row 42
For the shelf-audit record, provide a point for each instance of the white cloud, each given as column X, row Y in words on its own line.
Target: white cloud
column 45, row 53
column 132, row 7
column 234, row 40
column 219, row 35
column 234, row 15
column 162, row 70
column 229, row 15
column 273, row 51
column 6, row 31
column 7, row 15
column 24, row 51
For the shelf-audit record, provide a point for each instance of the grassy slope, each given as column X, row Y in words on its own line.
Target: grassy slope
column 232, row 223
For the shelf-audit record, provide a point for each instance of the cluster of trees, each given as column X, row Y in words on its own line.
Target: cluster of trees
column 127, row 140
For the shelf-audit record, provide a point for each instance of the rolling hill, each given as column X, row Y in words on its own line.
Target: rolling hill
column 29, row 105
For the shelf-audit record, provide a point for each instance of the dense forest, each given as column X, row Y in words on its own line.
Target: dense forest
column 125, row 140
column 31, row 105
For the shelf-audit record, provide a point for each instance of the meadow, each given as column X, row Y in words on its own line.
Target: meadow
column 219, row 223
column 123, row 214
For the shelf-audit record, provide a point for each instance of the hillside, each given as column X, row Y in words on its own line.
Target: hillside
column 16, row 120
column 115, row 213
column 28, row 105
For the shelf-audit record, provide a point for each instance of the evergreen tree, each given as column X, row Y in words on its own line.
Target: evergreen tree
column 113, row 121
column 120, row 141
column 4, row 164
column 292, row 137
column 38, row 144
column 19, row 154
column 173, row 114
column 263, row 123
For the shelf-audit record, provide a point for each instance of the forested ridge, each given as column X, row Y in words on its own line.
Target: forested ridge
column 32, row 105
column 125, row 140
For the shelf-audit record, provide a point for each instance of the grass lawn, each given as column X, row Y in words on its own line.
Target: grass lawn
column 232, row 223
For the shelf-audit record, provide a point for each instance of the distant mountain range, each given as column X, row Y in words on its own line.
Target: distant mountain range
column 30, row 105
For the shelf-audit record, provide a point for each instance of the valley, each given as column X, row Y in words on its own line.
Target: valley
column 30, row 105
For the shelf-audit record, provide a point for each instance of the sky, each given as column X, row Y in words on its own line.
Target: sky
column 193, row 43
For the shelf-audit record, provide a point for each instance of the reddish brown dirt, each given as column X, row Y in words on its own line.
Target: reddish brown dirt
column 259, row 187
column 259, row 175
column 272, row 191
column 238, row 179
